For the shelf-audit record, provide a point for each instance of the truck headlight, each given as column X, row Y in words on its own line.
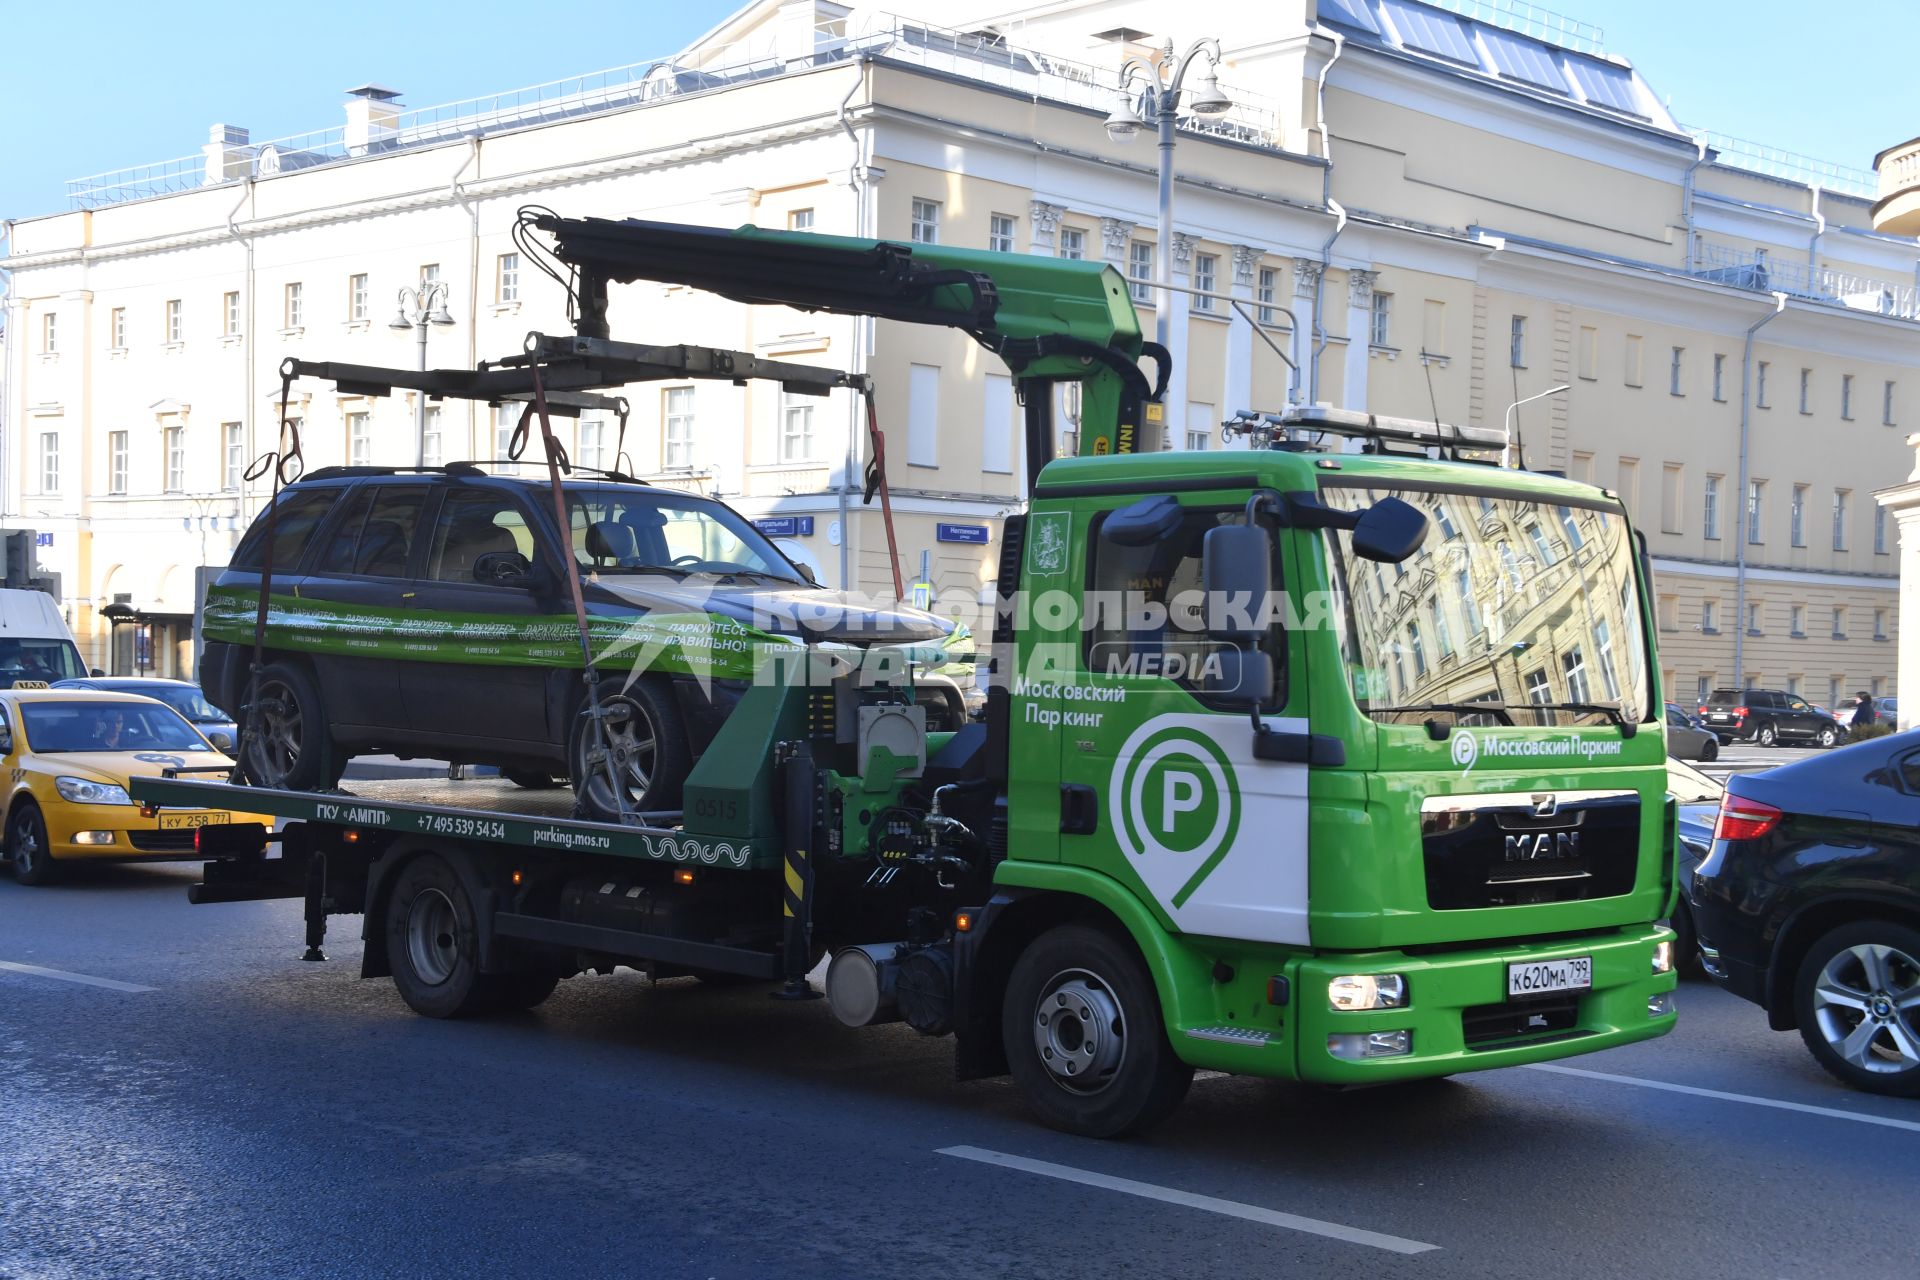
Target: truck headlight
column 1663, row 957
column 81, row 791
column 1354, row 991
column 1370, row 1044
column 1661, row 1005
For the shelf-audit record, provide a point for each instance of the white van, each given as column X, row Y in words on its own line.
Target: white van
column 34, row 641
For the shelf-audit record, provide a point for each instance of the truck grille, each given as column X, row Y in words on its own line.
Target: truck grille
column 1520, row 849
column 1495, row 1026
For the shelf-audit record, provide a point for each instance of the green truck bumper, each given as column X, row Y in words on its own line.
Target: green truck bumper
column 1457, row 1016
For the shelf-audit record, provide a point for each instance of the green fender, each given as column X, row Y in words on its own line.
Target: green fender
column 1178, row 970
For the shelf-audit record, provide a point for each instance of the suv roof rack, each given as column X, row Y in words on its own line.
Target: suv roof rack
column 464, row 467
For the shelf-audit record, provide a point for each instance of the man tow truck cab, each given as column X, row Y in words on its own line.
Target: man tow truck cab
column 1297, row 761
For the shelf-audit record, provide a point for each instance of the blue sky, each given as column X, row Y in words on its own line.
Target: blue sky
column 1834, row 84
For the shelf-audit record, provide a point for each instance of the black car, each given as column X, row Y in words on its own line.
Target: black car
column 1767, row 717
column 1809, row 905
column 430, row 613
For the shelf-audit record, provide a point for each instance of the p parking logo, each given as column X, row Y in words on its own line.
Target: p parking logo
column 1464, row 748
column 1174, row 804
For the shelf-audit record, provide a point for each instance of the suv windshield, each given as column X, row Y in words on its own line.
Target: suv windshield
column 1526, row 607
column 107, row 726
column 627, row 529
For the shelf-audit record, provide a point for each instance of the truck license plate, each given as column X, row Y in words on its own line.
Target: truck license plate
column 183, row 821
column 1547, row 977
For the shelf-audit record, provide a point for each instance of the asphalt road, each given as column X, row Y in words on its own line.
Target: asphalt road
column 226, row 1110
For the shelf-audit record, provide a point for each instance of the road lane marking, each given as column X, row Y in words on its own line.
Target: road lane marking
column 61, row 975
column 1911, row 1126
column 1169, row 1195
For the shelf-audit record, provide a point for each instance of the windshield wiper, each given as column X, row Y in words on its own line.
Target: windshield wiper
column 1462, row 708
column 1612, row 713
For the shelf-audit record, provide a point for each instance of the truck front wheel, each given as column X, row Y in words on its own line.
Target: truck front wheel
column 1084, row 1037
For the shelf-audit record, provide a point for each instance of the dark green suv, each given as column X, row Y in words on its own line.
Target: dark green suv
column 428, row 614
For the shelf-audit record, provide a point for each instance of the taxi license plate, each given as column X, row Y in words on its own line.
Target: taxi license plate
column 186, row 821
column 1549, row 977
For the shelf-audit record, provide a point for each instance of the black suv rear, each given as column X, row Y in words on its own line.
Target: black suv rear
column 1767, row 717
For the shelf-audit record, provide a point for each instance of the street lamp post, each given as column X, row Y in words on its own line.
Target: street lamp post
column 419, row 308
column 1156, row 101
column 1506, row 450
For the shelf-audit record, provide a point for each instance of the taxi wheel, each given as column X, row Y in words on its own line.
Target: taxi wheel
column 27, row 846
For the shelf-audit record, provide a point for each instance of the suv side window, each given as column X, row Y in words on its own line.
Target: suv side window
column 472, row 523
column 1147, row 602
column 375, row 532
column 299, row 514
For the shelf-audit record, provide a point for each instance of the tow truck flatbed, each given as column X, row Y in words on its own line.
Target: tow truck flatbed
column 484, row 810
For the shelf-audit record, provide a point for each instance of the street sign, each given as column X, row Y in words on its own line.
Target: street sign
column 785, row 526
column 974, row 533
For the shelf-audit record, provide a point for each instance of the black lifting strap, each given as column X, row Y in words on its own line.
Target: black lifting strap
column 280, row 459
column 557, row 463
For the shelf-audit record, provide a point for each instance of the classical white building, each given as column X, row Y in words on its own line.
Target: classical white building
column 1428, row 214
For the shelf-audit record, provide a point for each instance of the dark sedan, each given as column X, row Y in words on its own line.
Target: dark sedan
column 1808, row 905
column 183, row 696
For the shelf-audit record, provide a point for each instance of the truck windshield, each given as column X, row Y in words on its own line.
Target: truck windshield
column 1526, row 608
column 47, row 660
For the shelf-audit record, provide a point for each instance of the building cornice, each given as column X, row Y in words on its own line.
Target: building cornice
column 1807, row 577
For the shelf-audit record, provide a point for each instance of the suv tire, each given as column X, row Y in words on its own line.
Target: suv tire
column 650, row 748
column 290, row 749
column 1847, row 998
column 1828, row 735
column 1766, row 735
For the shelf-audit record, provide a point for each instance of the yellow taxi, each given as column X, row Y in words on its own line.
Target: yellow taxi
column 65, row 757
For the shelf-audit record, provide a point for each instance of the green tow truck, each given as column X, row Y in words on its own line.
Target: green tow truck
column 1335, row 757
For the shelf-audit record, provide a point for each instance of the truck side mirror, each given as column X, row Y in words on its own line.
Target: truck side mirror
column 1236, row 575
column 1389, row 531
column 1244, row 674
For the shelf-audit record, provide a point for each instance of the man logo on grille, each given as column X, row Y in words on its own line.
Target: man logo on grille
column 1174, row 804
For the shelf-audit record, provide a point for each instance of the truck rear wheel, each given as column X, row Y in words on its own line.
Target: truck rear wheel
column 433, row 939
column 1084, row 1035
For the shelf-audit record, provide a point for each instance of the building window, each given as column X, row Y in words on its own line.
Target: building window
column 230, row 309
column 116, row 462
column 1417, row 647
column 1201, row 419
column 1879, row 624
column 1444, row 522
column 1574, row 667
column 1760, row 387
column 50, row 334
column 1073, row 243
column 796, row 428
column 1719, row 377
column 1541, row 547
column 1380, row 325
column 1267, row 290
column 677, row 427
column 1879, row 531
column 1797, row 517
column 1517, row 343
column 1677, row 372
column 1206, row 274
column 926, row 222
column 1710, row 507
column 1793, row 685
column 1834, row 685
column 174, row 447
column 49, row 462
column 233, row 463
column 432, row 452
column 1140, row 270
column 117, row 327
column 1538, row 691
column 1702, row 687
column 1710, row 616
column 1840, row 519
column 1840, row 622
column 1469, row 607
column 1797, row 620
column 359, row 439
column 1000, row 233
column 800, row 220
column 1886, row 406
column 1756, row 492
column 1603, row 642
column 507, row 278
column 1636, row 360
column 1589, row 352
column 1806, row 391
column 173, row 320
column 293, row 313
column 1846, row 397
column 430, row 273
column 506, row 420
column 1442, row 639
column 1753, row 617
column 357, row 297
column 1672, row 481
column 593, row 442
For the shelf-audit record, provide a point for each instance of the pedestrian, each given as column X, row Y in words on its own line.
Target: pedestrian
column 1863, row 714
